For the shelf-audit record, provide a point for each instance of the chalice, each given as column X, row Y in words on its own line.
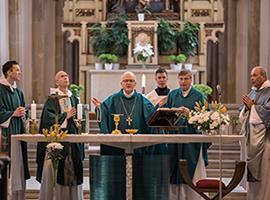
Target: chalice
column 116, row 119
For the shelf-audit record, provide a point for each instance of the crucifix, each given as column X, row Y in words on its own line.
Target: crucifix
column 129, row 120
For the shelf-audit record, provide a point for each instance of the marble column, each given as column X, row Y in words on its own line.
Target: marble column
column 43, row 48
column 20, row 41
column 230, row 50
column 59, row 36
column 13, row 8
column 4, row 34
column 242, row 74
column 25, row 47
column 264, row 34
column 253, row 34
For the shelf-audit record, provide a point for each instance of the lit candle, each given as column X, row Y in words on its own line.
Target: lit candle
column 33, row 110
column 79, row 111
column 143, row 80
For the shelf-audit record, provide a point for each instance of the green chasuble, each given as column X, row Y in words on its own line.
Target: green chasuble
column 137, row 107
column 76, row 149
column 10, row 99
column 189, row 151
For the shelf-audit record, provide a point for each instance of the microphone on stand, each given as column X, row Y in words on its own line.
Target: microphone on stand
column 219, row 92
column 220, row 144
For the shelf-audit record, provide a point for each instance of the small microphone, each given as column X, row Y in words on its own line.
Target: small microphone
column 218, row 89
column 219, row 92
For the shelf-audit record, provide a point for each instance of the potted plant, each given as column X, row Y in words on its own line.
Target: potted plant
column 142, row 8
column 108, row 59
column 101, row 43
column 166, row 36
column 203, row 88
column 76, row 90
column 188, row 40
column 177, row 61
column 143, row 52
column 119, row 36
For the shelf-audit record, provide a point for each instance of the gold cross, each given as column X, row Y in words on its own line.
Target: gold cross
column 129, row 120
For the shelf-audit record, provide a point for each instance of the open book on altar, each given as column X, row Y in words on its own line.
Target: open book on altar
column 166, row 117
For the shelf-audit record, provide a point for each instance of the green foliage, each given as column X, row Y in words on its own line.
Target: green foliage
column 203, row 88
column 101, row 41
column 143, row 9
column 177, row 58
column 166, row 36
column 188, row 39
column 108, row 58
column 111, row 40
column 119, row 36
column 76, row 89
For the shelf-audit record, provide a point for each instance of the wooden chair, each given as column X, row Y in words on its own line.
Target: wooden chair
column 237, row 177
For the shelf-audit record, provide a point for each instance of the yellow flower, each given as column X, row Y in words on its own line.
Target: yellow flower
column 53, row 134
column 63, row 134
column 223, row 109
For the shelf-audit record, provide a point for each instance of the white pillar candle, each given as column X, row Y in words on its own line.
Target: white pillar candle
column 33, row 110
column 79, row 111
column 143, row 80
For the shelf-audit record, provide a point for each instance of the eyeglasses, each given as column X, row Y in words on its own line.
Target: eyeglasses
column 131, row 81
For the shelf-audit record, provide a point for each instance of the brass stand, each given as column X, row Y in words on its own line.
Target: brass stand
column 116, row 119
column 79, row 125
column 33, row 127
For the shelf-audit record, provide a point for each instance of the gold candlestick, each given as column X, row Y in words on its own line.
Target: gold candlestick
column 33, row 127
column 79, row 125
column 116, row 119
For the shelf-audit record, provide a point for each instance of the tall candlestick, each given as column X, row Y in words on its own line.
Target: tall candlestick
column 143, row 80
column 33, row 110
column 79, row 111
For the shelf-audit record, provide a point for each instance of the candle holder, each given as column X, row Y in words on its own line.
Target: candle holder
column 33, row 126
column 79, row 125
column 143, row 90
column 116, row 119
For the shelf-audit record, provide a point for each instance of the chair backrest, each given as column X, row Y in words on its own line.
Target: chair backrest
column 237, row 177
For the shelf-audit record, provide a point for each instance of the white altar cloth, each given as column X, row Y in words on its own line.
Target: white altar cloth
column 127, row 142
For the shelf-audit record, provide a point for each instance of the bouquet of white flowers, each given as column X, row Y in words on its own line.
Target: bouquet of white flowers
column 143, row 52
column 208, row 120
column 54, row 148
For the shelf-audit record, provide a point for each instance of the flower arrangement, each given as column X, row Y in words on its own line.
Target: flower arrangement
column 209, row 120
column 143, row 52
column 54, row 148
column 143, row 6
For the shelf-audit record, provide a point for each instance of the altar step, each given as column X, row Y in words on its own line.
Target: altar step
column 33, row 187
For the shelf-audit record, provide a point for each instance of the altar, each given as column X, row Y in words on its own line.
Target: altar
column 127, row 142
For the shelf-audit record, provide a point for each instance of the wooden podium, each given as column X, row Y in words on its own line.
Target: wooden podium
column 166, row 119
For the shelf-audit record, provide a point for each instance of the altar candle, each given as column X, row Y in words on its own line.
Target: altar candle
column 79, row 111
column 33, row 110
column 143, row 80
